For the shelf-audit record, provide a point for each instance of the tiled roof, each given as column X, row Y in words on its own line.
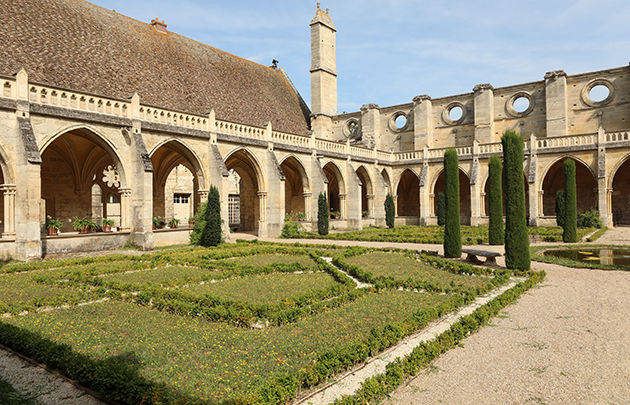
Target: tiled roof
column 80, row 46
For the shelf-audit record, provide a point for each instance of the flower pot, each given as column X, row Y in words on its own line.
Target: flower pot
column 154, row 227
column 191, row 224
column 85, row 230
column 52, row 231
column 107, row 228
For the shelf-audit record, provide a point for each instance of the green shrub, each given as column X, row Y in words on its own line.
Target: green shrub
column 452, row 234
column 200, row 223
column 441, row 209
column 589, row 219
column 291, row 229
column 570, row 202
column 516, row 234
column 390, row 211
column 560, row 214
column 322, row 215
column 495, row 203
column 211, row 234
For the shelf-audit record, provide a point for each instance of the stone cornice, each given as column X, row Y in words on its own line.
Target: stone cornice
column 323, row 69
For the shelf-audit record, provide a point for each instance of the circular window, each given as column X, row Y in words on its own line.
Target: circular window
column 398, row 121
column 454, row 113
column 352, row 129
column 598, row 92
column 520, row 104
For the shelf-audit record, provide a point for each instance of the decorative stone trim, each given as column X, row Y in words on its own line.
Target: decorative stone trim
column 446, row 117
column 586, row 98
column 346, row 128
column 509, row 104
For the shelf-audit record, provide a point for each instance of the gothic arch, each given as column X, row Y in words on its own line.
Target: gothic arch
column 336, row 187
column 387, row 180
column 367, row 190
column 251, row 196
column 408, row 194
column 191, row 159
column 464, row 194
column 296, row 184
column 397, row 182
column 553, row 181
column 619, row 189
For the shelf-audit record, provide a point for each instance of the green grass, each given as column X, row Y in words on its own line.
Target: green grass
column 267, row 259
column 265, row 288
column 471, row 235
column 401, row 267
column 212, row 360
column 166, row 276
column 8, row 395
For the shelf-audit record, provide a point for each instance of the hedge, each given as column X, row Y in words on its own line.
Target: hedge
column 496, row 235
column 516, row 234
column 452, row 232
column 570, row 202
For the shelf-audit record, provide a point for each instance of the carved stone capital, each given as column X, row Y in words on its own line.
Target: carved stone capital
column 482, row 86
column 555, row 74
column 421, row 97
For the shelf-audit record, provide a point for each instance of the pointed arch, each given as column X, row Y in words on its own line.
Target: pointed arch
column 336, row 186
column 553, row 181
column 464, row 194
column 251, row 185
column 408, row 194
column 296, row 184
column 387, row 180
column 620, row 192
column 367, row 190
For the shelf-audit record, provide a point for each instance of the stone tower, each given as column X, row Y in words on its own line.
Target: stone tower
column 323, row 73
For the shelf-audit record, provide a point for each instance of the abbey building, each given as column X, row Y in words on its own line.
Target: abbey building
column 106, row 117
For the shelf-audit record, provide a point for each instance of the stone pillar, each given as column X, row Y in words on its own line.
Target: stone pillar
column 352, row 198
column 425, row 194
column 371, row 125
column 475, row 189
column 535, row 201
column 602, row 179
column 274, row 200
column 140, row 180
column 609, row 216
column 218, row 175
column 318, row 183
column 308, row 205
column 484, row 113
column 377, row 202
column 342, row 207
column 8, row 191
column 125, row 208
column 395, row 197
column 556, row 103
column 422, row 121
column 482, row 204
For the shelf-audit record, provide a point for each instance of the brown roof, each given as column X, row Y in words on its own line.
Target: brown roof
column 77, row 45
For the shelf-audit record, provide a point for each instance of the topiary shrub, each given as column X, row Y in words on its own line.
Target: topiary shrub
column 589, row 219
column 560, row 214
column 211, row 234
column 200, row 224
column 291, row 229
column 570, row 202
column 452, row 234
column 496, row 235
column 390, row 211
column 441, row 209
column 516, row 235
column 322, row 214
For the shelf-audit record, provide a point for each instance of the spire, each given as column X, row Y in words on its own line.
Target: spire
column 323, row 17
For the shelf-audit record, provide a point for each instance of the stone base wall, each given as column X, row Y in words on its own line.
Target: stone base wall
column 83, row 243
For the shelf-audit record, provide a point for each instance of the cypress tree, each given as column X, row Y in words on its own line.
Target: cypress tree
column 322, row 215
column 560, row 214
column 570, row 202
column 495, row 203
column 452, row 235
column 211, row 234
column 516, row 235
column 441, row 209
column 390, row 211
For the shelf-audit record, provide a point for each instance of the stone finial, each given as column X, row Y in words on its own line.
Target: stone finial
column 555, row 74
column 421, row 97
column 482, row 86
column 370, row 106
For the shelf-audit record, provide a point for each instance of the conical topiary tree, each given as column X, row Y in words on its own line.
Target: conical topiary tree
column 516, row 235
column 211, row 234
column 322, row 214
column 452, row 234
column 495, row 202
column 560, row 214
column 569, row 235
column 441, row 209
column 390, row 211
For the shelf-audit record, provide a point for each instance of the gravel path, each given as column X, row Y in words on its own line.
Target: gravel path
column 619, row 235
column 563, row 342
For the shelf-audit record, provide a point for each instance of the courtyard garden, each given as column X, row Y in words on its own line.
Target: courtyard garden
column 246, row 322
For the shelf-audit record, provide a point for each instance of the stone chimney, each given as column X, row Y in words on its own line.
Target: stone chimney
column 159, row 26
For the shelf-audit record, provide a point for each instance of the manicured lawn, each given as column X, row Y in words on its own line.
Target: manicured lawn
column 401, row 267
column 266, row 259
column 211, row 360
column 265, row 288
column 471, row 235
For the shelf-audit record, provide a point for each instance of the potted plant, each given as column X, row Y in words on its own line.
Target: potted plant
column 364, row 214
column 157, row 223
column 191, row 222
column 173, row 223
column 53, row 225
column 80, row 225
column 107, row 224
column 335, row 215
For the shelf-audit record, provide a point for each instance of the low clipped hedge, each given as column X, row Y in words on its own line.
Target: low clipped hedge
column 378, row 387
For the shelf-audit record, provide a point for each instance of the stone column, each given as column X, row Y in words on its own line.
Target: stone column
column 370, row 125
column 475, row 189
column 609, row 216
column 274, row 197
column 425, row 194
column 379, row 193
column 308, row 201
column 352, row 198
column 318, row 183
column 482, row 204
column 535, row 201
column 422, row 121
column 602, row 178
column 125, row 208
column 395, row 197
column 9, row 210
column 556, row 103
column 484, row 113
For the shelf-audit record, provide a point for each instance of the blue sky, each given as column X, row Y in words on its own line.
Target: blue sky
column 388, row 51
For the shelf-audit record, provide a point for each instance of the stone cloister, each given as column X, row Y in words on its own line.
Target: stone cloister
column 67, row 151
